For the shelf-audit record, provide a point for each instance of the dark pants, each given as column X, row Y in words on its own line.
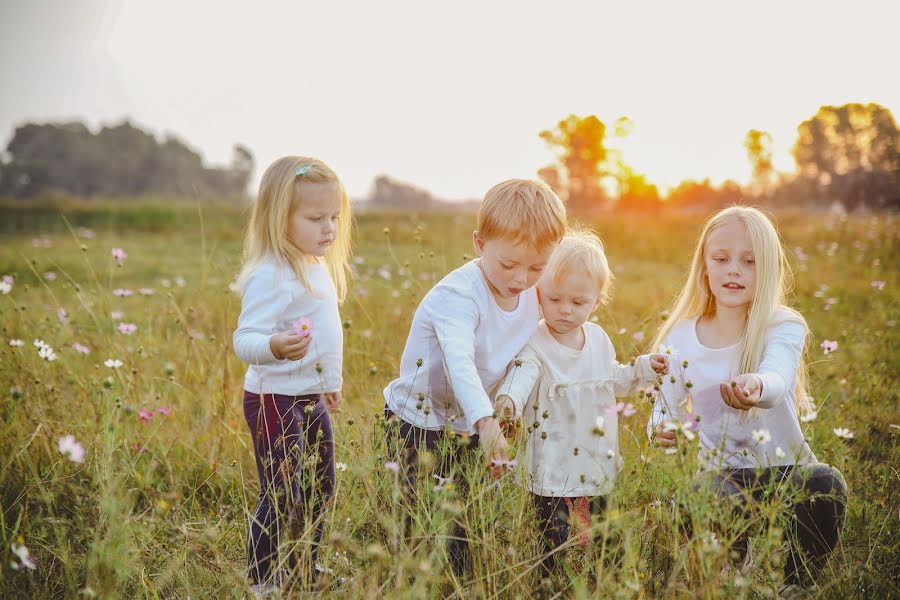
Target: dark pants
column 818, row 509
column 451, row 458
column 294, row 447
column 553, row 523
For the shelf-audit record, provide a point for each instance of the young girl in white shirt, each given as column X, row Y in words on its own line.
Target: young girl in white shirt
column 564, row 385
column 295, row 272
column 740, row 381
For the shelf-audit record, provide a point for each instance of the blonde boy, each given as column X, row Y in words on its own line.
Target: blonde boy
column 467, row 330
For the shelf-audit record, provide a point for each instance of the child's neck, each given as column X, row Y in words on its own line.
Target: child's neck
column 722, row 328
column 573, row 339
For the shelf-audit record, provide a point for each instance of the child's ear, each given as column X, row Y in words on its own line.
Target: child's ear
column 478, row 242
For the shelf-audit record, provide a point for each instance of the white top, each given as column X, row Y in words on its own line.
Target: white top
column 465, row 342
column 726, row 433
column 561, row 392
column 272, row 300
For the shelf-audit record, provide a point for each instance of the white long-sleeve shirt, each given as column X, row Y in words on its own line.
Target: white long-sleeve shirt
column 726, row 433
column 465, row 343
column 560, row 393
column 273, row 299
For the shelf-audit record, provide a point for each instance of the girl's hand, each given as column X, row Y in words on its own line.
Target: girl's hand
column 664, row 438
column 659, row 363
column 743, row 392
column 505, row 412
column 290, row 345
column 493, row 444
column 333, row 401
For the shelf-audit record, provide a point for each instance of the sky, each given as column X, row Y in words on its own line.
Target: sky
column 449, row 96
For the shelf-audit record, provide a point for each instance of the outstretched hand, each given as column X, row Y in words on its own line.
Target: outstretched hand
column 743, row 392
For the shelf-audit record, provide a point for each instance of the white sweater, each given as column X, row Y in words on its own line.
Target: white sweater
column 561, row 392
column 272, row 300
column 465, row 343
column 725, row 433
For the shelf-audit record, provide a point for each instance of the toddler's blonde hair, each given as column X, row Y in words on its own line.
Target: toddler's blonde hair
column 581, row 249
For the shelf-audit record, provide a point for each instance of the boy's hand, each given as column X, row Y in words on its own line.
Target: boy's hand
column 659, row 363
column 742, row 392
column 333, row 401
column 505, row 411
column 664, row 438
column 290, row 345
column 493, row 444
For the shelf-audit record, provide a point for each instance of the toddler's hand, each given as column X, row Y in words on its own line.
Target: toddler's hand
column 664, row 438
column 505, row 411
column 659, row 363
column 333, row 401
column 290, row 345
column 742, row 392
column 493, row 444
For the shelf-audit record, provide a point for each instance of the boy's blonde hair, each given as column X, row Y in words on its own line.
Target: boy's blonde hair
column 774, row 281
column 522, row 210
column 581, row 249
column 281, row 192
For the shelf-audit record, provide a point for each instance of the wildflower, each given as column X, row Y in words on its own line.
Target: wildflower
column 687, row 428
column 127, row 328
column 809, row 416
column 610, row 454
column 180, row 282
column 878, row 285
column 112, row 363
column 779, row 453
column 637, row 336
column 25, row 560
column 384, row 273
column 444, row 483
column 117, row 315
column 234, row 287
column 85, row 233
column 40, row 344
column 303, row 326
column 621, row 408
column 41, row 242
column 843, row 433
column 761, row 436
column 340, row 466
column 71, row 449
column 120, row 255
column 366, row 333
column 663, row 349
column 392, row 466
column 362, row 292
column 47, row 353
column 829, row 346
column 62, row 315
column 50, row 276
column 145, row 415
column 164, row 411
column 5, row 287
column 165, row 283
column 829, row 303
column 622, row 331
column 146, row 291
column 16, row 343
column 122, row 292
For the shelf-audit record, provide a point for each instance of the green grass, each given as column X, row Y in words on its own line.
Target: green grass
column 160, row 509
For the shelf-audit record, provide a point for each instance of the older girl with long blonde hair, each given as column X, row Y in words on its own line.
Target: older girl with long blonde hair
column 739, row 380
column 295, row 271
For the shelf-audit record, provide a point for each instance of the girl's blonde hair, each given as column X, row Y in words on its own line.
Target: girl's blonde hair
column 281, row 192
column 774, row 281
column 581, row 249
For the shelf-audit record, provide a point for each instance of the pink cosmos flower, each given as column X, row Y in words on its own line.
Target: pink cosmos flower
column 303, row 326
column 62, row 315
column 81, row 348
column 50, row 276
column 145, row 415
column 637, row 336
column 127, row 328
column 122, row 292
column 71, row 449
column 878, row 285
column 829, row 346
column 392, row 466
column 120, row 255
column 164, row 410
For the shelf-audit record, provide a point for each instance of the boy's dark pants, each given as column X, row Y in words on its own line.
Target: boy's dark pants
column 553, row 522
column 452, row 454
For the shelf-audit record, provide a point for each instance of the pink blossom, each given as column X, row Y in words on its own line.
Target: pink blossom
column 122, row 292
column 81, row 348
column 303, row 326
column 637, row 336
column 62, row 315
column 829, row 346
column 50, row 276
column 120, row 255
column 164, row 410
column 145, row 415
column 146, row 291
column 127, row 328
column 9, row 279
column 628, row 410
column 71, row 449
column 392, row 466
column 878, row 285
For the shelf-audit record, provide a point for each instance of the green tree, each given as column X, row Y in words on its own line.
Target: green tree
column 759, row 151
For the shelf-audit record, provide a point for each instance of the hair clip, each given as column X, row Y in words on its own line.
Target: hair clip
column 303, row 170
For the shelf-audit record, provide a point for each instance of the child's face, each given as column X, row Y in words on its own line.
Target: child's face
column 731, row 265
column 313, row 225
column 568, row 304
column 510, row 267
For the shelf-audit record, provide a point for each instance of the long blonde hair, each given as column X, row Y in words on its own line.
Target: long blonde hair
column 280, row 194
column 774, row 281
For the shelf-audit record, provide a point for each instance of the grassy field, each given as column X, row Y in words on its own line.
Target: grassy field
column 159, row 506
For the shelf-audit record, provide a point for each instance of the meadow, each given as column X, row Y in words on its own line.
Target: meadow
column 141, row 373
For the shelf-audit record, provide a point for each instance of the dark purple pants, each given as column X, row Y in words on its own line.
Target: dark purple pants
column 294, row 447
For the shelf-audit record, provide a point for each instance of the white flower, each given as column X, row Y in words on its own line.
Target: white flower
column 71, row 449
column 779, row 453
column 663, row 349
column 684, row 428
column 40, row 344
column 17, row 343
column 809, row 416
column 47, row 353
column 340, row 466
column 610, row 454
column 761, row 436
column 843, row 433
column 599, row 423
column 112, row 364
column 5, row 287
column 180, row 282
column 25, row 560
